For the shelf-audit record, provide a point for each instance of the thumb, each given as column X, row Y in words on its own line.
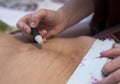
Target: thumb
column 34, row 22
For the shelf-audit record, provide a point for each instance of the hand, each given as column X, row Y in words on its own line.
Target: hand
column 112, row 68
column 49, row 23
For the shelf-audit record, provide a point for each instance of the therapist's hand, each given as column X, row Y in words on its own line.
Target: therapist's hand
column 112, row 68
column 49, row 23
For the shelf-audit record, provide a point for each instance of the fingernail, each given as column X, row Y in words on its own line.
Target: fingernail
column 45, row 32
column 103, row 52
column 33, row 24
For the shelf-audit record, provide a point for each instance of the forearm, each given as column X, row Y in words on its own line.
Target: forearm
column 75, row 10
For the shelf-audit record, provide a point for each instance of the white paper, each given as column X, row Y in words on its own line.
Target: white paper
column 89, row 71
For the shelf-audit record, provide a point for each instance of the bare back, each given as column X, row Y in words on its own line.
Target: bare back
column 24, row 63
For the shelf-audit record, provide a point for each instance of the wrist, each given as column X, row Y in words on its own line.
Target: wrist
column 64, row 19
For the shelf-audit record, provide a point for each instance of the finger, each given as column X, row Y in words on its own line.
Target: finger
column 114, row 78
column 37, row 18
column 23, row 23
column 43, row 33
column 23, row 26
column 111, row 66
column 111, row 53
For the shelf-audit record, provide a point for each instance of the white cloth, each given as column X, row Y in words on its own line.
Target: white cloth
column 89, row 71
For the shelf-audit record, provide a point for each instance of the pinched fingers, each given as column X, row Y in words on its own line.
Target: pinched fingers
column 24, row 27
column 112, row 68
column 23, row 23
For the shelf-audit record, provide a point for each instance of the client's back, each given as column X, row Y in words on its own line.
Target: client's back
column 24, row 63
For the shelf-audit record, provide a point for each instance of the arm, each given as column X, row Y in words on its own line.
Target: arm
column 50, row 23
column 75, row 10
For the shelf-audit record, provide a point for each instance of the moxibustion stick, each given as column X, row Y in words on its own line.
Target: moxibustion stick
column 37, row 36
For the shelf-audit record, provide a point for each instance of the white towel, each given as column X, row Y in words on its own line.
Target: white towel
column 89, row 71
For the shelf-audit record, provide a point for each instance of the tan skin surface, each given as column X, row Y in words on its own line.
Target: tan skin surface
column 24, row 63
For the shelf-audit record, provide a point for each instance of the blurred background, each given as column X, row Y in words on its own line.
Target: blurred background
column 12, row 10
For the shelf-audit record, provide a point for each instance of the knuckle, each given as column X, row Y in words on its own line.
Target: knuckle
column 24, row 17
column 44, row 12
column 34, row 16
column 106, row 69
column 18, row 24
column 39, row 15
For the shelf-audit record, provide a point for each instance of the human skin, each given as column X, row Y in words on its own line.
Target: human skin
column 111, row 69
column 54, row 63
column 68, row 15
column 50, row 23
